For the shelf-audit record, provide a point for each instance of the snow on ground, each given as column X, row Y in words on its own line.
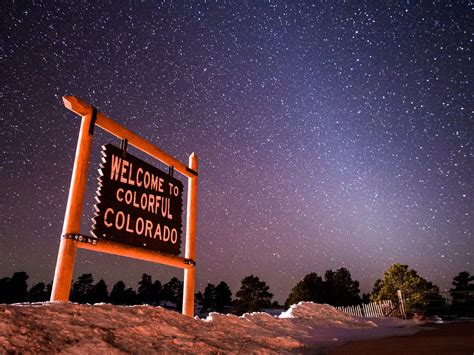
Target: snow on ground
column 102, row 328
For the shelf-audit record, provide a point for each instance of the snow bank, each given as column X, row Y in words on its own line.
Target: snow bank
column 328, row 327
column 326, row 315
column 77, row 329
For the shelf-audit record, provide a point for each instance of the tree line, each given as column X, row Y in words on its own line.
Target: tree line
column 337, row 288
column 421, row 296
column 253, row 294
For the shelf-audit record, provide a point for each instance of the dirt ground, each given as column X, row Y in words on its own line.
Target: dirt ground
column 450, row 338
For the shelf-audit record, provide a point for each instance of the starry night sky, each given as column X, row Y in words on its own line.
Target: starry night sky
column 329, row 134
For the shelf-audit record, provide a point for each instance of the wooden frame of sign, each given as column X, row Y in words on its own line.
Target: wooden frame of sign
column 71, row 237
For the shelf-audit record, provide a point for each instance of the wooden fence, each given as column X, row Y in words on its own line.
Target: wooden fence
column 374, row 309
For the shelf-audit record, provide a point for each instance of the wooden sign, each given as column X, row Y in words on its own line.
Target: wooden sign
column 138, row 204
column 138, row 210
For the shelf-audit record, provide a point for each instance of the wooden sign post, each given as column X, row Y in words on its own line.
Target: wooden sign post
column 71, row 236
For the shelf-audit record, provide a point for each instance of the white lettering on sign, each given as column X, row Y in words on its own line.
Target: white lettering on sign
column 123, row 171
column 147, row 228
column 147, row 202
column 138, row 204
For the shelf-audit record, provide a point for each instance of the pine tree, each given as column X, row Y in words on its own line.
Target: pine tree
column 417, row 291
column 130, row 297
column 117, row 295
column 223, row 297
column 337, row 289
column 198, row 299
column 309, row 289
column 145, row 292
column 377, row 286
column 253, row 295
column 173, row 292
column 463, row 294
column 98, row 293
column 156, row 293
column 81, row 289
column 209, row 298
column 4, row 292
column 366, row 298
column 38, row 293
column 121, row 295
column 14, row 289
column 341, row 290
column 217, row 298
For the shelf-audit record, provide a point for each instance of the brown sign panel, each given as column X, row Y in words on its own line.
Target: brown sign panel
column 138, row 204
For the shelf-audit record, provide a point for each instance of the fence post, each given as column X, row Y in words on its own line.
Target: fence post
column 402, row 304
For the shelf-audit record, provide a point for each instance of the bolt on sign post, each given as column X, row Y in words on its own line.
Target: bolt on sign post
column 138, row 210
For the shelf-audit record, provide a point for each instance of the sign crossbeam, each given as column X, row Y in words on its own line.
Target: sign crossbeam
column 81, row 108
column 110, row 247
column 72, row 221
